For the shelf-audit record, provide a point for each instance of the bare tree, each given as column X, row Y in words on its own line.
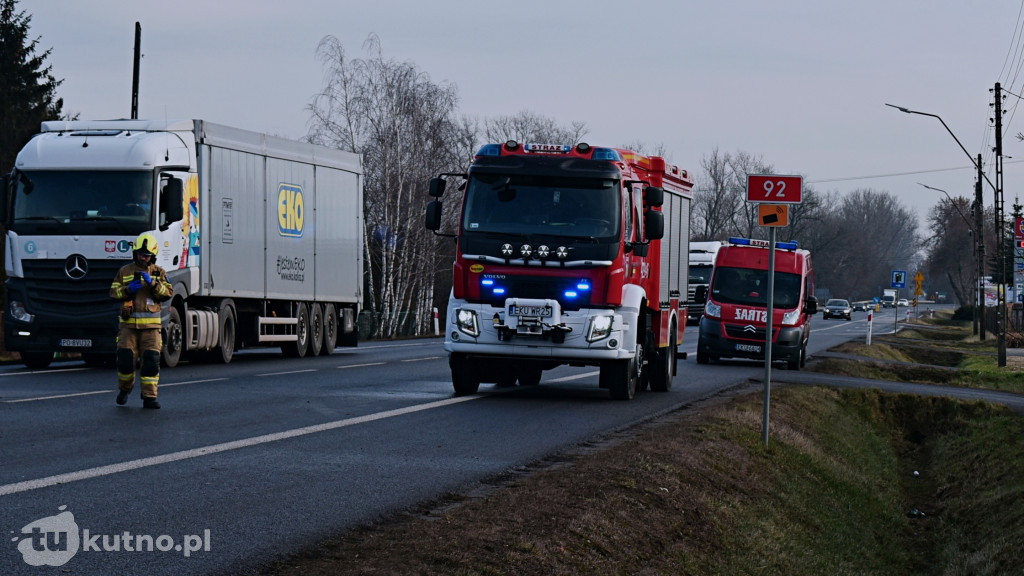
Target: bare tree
column 951, row 259
column 404, row 126
column 714, row 201
column 526, row 126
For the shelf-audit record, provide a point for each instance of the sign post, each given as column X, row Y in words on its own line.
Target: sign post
column 773, row 194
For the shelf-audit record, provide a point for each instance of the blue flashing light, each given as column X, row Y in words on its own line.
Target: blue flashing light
column 583, row 286
column 740, row 241
column 489, row 150
column 606, row 154
column 487, row 282
column 499, row 290
column 571, row 294
column 787, row 245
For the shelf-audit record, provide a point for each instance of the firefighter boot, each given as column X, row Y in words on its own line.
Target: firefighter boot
column 150, row 403
column 122, row 397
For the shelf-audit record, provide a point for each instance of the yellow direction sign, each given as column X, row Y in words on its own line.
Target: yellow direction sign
column 773, row 214
column 918, row 280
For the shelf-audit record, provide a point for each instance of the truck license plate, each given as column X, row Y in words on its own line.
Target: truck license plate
column 748, row 348
column 532, row 311
column 75, row 343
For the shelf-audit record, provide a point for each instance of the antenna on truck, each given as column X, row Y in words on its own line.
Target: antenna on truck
column 135, row 72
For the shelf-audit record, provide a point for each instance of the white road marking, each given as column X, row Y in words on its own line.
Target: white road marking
column 108, row 391
column 217, row 448
column 361, row 365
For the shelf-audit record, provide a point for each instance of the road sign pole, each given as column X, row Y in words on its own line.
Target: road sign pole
column 768, row 334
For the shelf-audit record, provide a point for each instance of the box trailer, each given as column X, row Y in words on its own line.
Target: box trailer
column 261, row 238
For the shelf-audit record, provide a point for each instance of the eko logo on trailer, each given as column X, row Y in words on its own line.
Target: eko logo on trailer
column 290, row 210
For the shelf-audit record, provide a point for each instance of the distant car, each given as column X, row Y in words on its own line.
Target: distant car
column 860, row 306
column 902, row 302
column 836, row 308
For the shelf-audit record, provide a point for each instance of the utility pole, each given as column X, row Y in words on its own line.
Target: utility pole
column 1000, row 235
column 979, row 227
column 135, row 71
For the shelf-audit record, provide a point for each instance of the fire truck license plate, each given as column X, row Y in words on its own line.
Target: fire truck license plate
column 748, row 348
column 75, row 343
column 534, row 311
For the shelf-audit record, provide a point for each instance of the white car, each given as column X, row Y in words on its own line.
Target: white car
column 902, row 302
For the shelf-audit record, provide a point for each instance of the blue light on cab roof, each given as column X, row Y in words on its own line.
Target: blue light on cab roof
column 606, row 154
column 489, row 150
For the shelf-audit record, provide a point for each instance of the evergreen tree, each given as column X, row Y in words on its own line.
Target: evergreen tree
column 27, row 87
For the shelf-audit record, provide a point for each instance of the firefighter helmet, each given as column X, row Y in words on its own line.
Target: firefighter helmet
column 146, row 243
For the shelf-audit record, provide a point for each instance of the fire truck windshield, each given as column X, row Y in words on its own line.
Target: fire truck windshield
column 554, row 206
column 749, row 287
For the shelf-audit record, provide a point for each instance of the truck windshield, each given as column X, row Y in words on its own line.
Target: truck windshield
column 749, row 287
column 700, row 274
column 530, row 204
column 122, row 198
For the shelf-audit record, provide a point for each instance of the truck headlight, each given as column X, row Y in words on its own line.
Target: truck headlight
column 19, row 313
column 600, row 327
column 466, row 321
column 712, row 310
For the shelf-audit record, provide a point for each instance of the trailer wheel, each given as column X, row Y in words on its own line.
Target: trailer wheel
column 300, row 346
column 226, row 348
column 316, row 329
column 37, row 360
column 173, row 340
column 330, row 330
column 661, row 373
column 465, row 378
column 621, row 377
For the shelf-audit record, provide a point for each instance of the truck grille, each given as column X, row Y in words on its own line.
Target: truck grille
column 49, row 290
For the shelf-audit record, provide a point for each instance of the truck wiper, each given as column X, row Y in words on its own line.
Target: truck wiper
column 26, row 218
column 119, row 223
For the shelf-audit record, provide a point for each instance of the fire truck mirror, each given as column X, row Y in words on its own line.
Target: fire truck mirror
column 433, row 220
column 655, row 196
column 437, row 188
column 654, row 225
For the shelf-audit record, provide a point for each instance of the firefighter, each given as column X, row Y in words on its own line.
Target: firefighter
column 140, row 287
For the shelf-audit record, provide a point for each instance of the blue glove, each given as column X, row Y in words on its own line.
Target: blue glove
column 134, row 286
column 147, row 278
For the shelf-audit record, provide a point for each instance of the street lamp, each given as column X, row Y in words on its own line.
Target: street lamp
column 1000, row 239
column 979, row 251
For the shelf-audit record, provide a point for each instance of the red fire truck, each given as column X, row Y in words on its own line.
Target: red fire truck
column 567, row 255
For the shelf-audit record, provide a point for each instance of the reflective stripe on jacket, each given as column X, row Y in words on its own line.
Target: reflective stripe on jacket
column 146, row 307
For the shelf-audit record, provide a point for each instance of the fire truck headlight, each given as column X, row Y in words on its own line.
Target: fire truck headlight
column 600, row 327
column 712, row 310
column 18, row 312
column 467, row 322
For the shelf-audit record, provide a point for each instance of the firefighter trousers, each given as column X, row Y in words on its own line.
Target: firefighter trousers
column 133, row 344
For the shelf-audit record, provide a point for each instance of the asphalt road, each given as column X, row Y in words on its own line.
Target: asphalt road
column 250, row 461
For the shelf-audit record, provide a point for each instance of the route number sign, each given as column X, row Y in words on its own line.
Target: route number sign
column 774, row 189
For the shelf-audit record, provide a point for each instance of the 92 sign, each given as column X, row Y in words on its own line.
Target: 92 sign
column 774, row 189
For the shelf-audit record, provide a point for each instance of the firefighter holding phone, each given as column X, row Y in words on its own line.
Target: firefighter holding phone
column 140, row 287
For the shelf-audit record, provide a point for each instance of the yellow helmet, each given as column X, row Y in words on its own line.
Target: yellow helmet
column 146, row 242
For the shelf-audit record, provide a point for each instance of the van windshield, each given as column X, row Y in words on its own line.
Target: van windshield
column 749, row 287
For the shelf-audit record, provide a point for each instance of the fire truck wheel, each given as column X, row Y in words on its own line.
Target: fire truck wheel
column 464, row 376
column 529, row 376
column 621, row 377
column 661, row 370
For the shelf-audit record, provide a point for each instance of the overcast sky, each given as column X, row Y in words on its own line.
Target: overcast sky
column 800, row 83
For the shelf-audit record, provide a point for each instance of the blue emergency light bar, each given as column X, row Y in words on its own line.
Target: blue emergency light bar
column 763, row 243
